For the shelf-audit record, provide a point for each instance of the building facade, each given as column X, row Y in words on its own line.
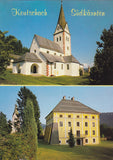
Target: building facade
column 68, row 114
column 50, row 57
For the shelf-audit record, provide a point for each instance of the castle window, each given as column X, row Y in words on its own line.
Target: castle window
column 93, row 124
column 69, row 116
column 85, row 116
column 61, row 116
column 59, row 141
column 34, row 50
column 86, row 140
column 57, row 39
column 54, row 65
column 61, row 124
column 67, row 66
column 86, row 132
column 54, row 53
column 78, row 116
column 93, row 117
column 94, row 140
column 93, row 132
column 67, row 141
column 60, row 38
column 78, row 133
column 61, row 66
column 86, row 124
column 78, row 124
column 69, row 124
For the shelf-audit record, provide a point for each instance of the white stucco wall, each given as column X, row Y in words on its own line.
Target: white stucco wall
column 51, row 52
column 34, row 46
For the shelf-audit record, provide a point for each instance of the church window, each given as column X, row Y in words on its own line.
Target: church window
column 93, row 124
column 94, row 140
column 57, row 39
column 86, row 140
column 69, row 124
column 78, row 124
column 93, row 132
column 61, row 66
column 61, row 124
column 67, row 66
column 67, row 48
column 54, row 53
column 86, row 132
column 47, row 51
column 86, row 124
column 34, row 50
column 60, row 38
column 54, row 65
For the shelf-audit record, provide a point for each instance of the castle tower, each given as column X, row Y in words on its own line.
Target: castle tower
column 62, row 35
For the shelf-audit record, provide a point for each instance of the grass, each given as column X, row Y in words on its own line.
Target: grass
column 103, row 151
column 19, row 79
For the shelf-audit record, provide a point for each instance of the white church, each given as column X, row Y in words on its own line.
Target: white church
column 50, row 58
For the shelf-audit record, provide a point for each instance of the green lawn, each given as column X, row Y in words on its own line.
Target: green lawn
column 18, row 79
column 103, row 151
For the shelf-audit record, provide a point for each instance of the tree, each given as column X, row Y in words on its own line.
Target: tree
column 24, row 94
column 3, row 124
column 102, row 72
column 71, row 140
column 6, row 47
column 29, row 128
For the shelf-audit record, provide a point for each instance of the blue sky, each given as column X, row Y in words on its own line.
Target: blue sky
column 85, row 30
column 98, row 98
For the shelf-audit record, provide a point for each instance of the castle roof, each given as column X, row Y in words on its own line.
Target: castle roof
column 29, row 57
column 48, row 44
column 61, row 19
column 72, row 106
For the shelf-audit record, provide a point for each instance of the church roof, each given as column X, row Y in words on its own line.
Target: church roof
column 29, row 57
column 48, row 44
column 61, row 19
column 52, row 58
column 72, row 106
column 69, row 59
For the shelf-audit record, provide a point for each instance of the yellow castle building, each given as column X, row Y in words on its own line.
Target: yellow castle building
column 68, row 114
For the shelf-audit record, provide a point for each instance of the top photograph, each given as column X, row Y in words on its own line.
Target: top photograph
column 56, row 42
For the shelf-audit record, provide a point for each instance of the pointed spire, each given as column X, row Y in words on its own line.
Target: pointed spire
column 61, row 19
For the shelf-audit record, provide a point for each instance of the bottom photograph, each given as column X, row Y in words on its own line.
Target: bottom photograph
column 60, row 123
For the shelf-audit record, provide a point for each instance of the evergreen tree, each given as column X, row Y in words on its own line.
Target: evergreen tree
column 102, row 72
column 24, row 94
column 3, row 125
column 71, row 140
column 29, row 129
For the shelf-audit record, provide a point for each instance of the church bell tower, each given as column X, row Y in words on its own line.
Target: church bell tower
column 62, row 35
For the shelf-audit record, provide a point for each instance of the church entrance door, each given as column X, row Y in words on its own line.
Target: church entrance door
column 34, row 68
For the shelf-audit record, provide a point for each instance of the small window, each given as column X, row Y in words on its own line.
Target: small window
column 78, row 133
column 61, row 124
column 69, row 116
column 67, row 66
column 93, row 117
column 93, row 124
column 61, row 116
column 54, row 65
column 61, row 66
column 86, row 132
column 85, row 116
column 78, row 124
column 54, row 53
column 93, row 132
column 86, row 124
column 94, row 140
column 78, row 116
column 47, row 51
column 69, row 124
column 34, row 50
column 86, row 140
column 67, row 48
column 60, row 38
column 59, row 141
column 67, row 141
column 57, row 39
